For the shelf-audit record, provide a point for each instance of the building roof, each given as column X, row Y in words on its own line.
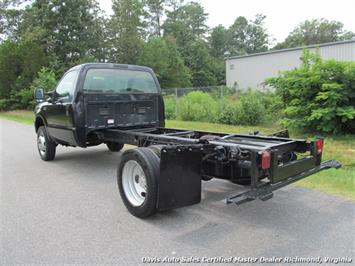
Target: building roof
column 290, row 49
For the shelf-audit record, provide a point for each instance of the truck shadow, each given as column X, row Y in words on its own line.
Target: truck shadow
column 99, row 154
column 296, row 221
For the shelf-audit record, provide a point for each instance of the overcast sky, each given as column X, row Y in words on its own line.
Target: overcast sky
column 282, row 15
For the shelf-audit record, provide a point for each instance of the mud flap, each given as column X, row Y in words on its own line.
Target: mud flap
column 179, row 182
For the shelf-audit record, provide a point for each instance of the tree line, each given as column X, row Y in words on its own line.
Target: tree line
column 171, row 36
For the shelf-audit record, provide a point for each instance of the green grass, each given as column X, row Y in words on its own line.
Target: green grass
column 339, row 182
column 22, row 116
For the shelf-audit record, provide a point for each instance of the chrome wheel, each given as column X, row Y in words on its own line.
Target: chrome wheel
column 41, row 143
column 134, row 183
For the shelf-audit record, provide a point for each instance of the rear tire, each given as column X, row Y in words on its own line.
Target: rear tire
column 137, row 178
column 114, row 146
column 46, row 147
column 156, row 149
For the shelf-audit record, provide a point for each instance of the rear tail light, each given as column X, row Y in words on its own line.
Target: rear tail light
column 319, row 145
column 265, row 160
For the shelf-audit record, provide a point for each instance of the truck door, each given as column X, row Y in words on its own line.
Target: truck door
column 60, row 112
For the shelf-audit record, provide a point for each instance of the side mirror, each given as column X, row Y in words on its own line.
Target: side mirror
column 39, row 94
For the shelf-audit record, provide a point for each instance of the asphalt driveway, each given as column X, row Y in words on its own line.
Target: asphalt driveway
column 69, row 211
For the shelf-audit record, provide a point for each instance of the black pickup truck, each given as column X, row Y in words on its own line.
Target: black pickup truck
column 119, row 104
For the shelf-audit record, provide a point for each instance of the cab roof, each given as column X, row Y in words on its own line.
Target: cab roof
column 112, row 65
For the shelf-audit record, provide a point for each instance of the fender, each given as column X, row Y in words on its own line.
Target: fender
column 39, row 117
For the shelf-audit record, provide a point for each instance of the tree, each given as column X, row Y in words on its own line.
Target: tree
column 19, row 64
column 67, row 29
column 9, row 17
column 126, row 31
column 218, row 41
column 203, row 67
column 162, row 55
column 248, row 36
column 174, row 4
column 187, row 24
column 190, row 19
column 154, row 16
column 316, row 31
column 155, row 11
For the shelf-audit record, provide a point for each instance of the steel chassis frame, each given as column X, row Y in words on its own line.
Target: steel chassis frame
column 278, row 143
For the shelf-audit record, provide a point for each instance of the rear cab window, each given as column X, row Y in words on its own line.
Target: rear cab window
column 119, row 81
column 66, row 86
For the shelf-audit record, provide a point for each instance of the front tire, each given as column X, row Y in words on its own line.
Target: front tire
column 114, row 146
column 137, row 178
column 45, row 146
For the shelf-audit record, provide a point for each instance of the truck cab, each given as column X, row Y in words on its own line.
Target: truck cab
column 97, row 96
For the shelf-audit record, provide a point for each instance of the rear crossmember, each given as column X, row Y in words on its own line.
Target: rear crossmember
column 265, row 191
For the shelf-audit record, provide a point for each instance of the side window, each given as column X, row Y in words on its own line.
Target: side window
column 66, row 87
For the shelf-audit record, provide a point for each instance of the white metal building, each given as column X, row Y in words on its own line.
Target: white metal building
column 250, row 71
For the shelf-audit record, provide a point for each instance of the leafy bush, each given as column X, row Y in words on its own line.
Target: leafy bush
column 273, row 105
column 232, row 113
column 23, row 99
column 5, row 104
column 197, row 106
column 46, row 78
column 319, row 96
column 243, row 108
column 170, row 107
column 247, row 110
column 20, row 62
column 252, row 108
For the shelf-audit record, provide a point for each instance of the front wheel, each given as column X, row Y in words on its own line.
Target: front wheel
column 137, row 178
column 46, row 147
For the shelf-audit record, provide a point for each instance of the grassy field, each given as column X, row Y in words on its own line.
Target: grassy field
column 340, row 182
column 22, row 116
